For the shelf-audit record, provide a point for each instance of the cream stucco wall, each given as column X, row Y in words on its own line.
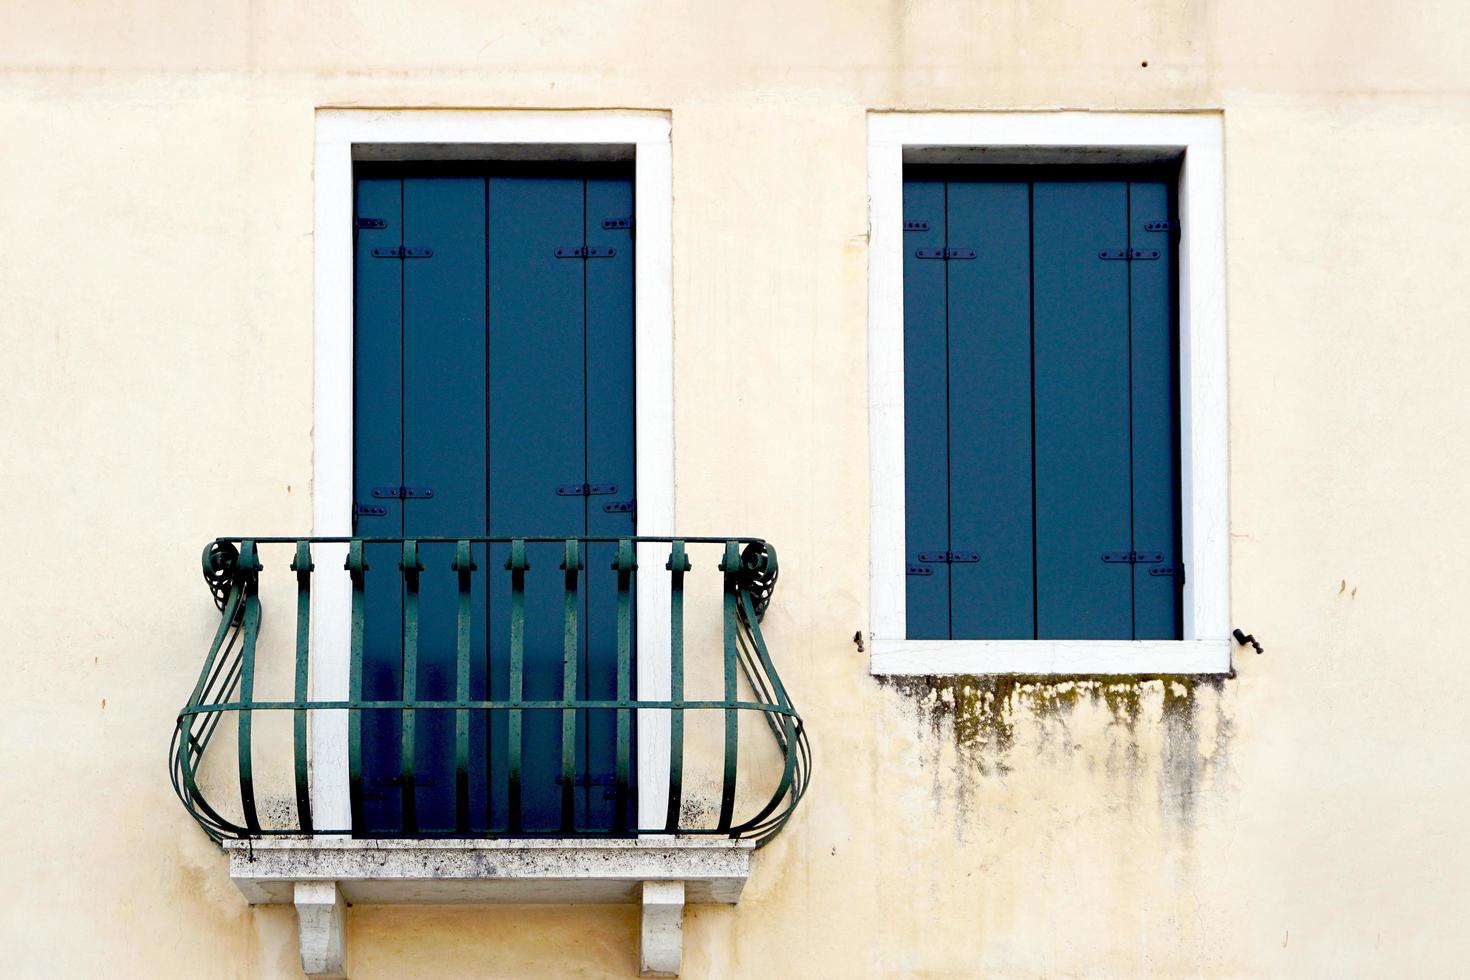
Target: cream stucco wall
column 1302, row 818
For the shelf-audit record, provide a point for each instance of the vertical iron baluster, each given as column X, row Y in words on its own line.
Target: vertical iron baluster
column 730, row 565
column 250, row 578
column 677, row 565
column 571, row 563
column 303, row 566
column 625, row 565
column 411, row 567
column 357, row 567
column 464, row 565
column 517, row 565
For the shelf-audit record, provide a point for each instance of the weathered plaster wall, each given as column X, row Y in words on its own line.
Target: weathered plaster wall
column 1302, row 818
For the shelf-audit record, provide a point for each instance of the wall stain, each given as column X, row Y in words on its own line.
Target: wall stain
column 986, row 718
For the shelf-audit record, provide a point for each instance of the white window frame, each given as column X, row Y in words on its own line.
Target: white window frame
column 896, row 138
column 346, row 135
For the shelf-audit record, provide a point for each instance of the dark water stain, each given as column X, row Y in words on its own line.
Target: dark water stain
column 980, row 714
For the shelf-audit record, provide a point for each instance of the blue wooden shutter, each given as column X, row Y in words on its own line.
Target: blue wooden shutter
column 1082, row 396
column 443, row 449
column 378, row 463
column 1040, row 365
column 494, row 380
column 990, row 411
column 926, row 411
column 537, row 444
column 1156, row 584
column 610, row 461
column 419, row 421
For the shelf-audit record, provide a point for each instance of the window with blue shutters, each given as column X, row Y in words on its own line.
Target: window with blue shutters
column 1041, row 404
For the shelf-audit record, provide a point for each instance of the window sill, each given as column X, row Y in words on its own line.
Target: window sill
column 489, row 871
column 1031, row 657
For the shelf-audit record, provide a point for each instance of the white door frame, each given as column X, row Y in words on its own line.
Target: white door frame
column 345, row 135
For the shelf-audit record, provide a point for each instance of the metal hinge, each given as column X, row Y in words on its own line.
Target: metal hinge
column 916, row 226
column 948, row 557
column 585, row 489
column 1133, row 557
column 1162, row 571
column 621, row 507
column 920, row 570
column 403, row 493
column 945, row 253
column 404, row 252
column 1129, row 254
column 612, row 224
column 369, row 510
column 361, row 223
column 585, row 252
column 1162, row 225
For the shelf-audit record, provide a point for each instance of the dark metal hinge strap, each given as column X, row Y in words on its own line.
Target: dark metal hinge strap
column 403, row 493
column 948, row 557
column 586, row 489
column 585, row 252
column 1133, row 557
column 404, row 252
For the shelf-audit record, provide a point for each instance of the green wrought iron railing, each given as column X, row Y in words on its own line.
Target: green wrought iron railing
column 235, row 806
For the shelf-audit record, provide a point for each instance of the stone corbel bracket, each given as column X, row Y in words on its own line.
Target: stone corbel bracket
column 322, row 876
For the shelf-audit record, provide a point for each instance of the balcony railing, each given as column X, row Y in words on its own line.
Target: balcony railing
column 719, row 781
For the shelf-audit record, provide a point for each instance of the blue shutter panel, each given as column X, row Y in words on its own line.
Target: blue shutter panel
column 378, row 462
column 443, row 449
column 990, row 410
column 610, row 459
column 926, row 411
column 1156, row 597
column 1082, row 405
column 537, row 443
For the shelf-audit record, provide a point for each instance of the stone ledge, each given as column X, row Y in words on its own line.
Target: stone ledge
column 489, row 871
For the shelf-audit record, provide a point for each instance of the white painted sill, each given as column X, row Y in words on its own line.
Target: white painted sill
column 1034, row 657
column 489, row 871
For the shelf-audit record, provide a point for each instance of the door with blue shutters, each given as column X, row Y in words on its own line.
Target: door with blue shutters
column 1041, row 405
column 494, row 396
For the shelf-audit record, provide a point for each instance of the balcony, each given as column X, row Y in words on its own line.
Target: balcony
column 489, row 719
